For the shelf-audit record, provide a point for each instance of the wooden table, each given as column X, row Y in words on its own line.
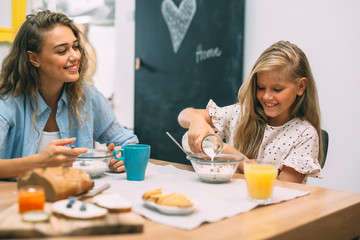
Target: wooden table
column 323, row 214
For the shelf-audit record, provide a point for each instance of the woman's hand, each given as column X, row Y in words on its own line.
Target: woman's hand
column 56, row 154
column 116, row 165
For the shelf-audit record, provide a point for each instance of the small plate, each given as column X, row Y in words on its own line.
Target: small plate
column 35, row 216
column 171, row 210
column 91, row 211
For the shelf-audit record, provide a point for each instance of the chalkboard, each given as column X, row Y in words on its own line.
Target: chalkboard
column 190, row 51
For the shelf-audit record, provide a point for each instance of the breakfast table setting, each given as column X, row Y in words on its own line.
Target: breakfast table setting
column 215, row 205
column 212, row 201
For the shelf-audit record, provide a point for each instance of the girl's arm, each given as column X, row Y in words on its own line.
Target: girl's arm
column 290, row 175
column 228, row 149
column 287, row 173
column 192, row 115
column 199, row 123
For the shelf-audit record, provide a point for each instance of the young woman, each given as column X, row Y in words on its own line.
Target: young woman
column 277, row 115
column 44, row 95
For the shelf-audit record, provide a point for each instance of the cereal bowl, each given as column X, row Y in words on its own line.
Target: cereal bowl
column 95, row 162
column 218, row 170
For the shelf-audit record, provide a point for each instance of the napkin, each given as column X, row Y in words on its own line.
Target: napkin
column 214, row 201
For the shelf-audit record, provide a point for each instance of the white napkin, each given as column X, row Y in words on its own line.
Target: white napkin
column 215, row 201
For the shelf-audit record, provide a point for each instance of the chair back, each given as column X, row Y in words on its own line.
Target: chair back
column 325, row 142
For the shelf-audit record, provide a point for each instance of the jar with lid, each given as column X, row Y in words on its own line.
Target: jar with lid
column 211, row 144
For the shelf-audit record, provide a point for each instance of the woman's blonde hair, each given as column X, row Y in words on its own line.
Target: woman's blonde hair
column 291, row 63
column 19, row 77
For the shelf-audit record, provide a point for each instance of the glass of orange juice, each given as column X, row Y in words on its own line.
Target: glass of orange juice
column 31, row 198
column 260, row 175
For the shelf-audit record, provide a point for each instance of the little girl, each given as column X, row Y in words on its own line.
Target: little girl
column 277, row 115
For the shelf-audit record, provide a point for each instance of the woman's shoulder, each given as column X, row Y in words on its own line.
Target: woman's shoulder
column 89, row 88
column 11, row 106
column 92, row 92
column 7, row 100
column 94, row 98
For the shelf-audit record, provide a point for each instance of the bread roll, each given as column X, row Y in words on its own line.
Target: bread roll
column 58, row 182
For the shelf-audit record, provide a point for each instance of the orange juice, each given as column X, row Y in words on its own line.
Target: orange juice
column 31, row 198
column 260, row 180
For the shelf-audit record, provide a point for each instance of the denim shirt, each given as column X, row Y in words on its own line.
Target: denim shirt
column 19, row 138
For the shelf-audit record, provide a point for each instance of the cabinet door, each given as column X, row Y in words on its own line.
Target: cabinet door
column 189, row 52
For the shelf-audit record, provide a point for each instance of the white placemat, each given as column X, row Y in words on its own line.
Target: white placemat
column 215, row 201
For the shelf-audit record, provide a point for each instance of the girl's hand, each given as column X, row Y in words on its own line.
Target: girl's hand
column 197, row 132
column 116, row 165
column 291, row 175
column 228, row 149
column 199, row 123
column 56, row 154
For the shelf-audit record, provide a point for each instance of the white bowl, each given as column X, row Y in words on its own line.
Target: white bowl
column 95, row 162
column 218, row 170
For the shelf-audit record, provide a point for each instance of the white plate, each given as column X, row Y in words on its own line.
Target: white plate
column 91, row 211
column 35, row 216
column 112, row 201
column 171, row 210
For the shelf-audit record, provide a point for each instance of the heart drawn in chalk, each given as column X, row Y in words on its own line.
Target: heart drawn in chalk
column 178, row 19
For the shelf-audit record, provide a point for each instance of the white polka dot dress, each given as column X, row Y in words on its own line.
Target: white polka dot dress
column 294, row 144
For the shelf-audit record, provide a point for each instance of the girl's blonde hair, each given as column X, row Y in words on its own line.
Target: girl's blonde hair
column 19, row 77
column 291, row 63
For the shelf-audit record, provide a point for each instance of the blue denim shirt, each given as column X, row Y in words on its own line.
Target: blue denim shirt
column 19, row 138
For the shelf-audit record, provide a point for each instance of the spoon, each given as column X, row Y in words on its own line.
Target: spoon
column 177, row 143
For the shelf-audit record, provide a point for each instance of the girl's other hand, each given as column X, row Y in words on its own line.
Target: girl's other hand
column 56, row 154
column 116, row 165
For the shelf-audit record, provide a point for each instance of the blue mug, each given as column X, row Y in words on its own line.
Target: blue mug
column 136, row 158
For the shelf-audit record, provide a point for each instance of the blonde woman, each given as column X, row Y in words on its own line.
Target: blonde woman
column 44, row 97
column 277, row 115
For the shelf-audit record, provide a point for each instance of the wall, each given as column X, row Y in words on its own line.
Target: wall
column 125, row 50
column 4, row 49
column 102, row 38
column 6, row 17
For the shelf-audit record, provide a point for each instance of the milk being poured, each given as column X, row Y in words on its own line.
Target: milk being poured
column 210, row 152
column 211, row 145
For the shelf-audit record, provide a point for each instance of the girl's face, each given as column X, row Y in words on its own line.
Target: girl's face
column 277, row 95
column 59, row 59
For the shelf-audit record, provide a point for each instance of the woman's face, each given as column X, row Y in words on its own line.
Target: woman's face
column 59, row 59
column 277, row 95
